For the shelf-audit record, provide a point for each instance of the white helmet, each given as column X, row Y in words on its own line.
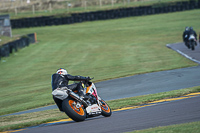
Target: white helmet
column 62, row 71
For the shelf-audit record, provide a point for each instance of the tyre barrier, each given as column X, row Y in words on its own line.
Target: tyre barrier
column 24, row 41
column 104, row 15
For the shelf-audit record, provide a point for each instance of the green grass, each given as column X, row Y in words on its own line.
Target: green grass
column 5, row 39
column 139, row 100
column 193, row 127
column 36, row 118
column 101, row 49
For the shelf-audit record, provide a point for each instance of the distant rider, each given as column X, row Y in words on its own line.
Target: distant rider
column 61, row 79
column 192, row 32
column 199, row 37
column 186, row 36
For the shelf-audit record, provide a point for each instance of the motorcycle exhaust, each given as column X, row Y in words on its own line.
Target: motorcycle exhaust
column 75, row 96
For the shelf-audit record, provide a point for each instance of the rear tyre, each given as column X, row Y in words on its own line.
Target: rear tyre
column 192, row 45
column 106, row 111
column 69, row 107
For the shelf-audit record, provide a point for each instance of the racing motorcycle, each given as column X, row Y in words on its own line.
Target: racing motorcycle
column 78, row 108
column 192, row 42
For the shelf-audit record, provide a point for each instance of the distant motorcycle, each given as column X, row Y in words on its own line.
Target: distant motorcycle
column 192, row 42
column 77, row 108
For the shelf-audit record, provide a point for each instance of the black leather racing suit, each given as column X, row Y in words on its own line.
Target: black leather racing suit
column 192, row 32
column 58, row 80
column 185, row 35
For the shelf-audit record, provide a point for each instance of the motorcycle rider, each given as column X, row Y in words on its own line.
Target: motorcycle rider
column 192, row 32
column 199, row 37
column 186, row 36
column 61, row 79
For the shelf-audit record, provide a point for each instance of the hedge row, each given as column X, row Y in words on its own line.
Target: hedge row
column 8, row 48
column 103, row 15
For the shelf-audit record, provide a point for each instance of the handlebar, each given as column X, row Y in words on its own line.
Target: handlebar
column 92, row 78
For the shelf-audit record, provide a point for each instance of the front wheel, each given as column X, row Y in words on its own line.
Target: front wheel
column 70, row 108
column 106, row 111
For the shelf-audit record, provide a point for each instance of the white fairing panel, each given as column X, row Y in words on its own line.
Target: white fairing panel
column 191, row 37
column 93, row 91
column 94, row 109
column 60, row 94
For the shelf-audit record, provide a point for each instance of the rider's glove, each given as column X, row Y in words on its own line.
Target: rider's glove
column 88, row 78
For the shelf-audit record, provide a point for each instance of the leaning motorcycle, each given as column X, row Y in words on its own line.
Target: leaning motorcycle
column 78, row 108
column 192, row 42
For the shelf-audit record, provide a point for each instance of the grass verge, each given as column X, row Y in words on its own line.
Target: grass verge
column 36, row 118
column 5, row 39
column 192, row 127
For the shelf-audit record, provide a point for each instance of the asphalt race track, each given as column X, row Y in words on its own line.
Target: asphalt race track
column 176, row 112
column 188, row 53
column 143, row 84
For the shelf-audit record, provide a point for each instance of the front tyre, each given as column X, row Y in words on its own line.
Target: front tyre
column 69, row 107
column 106, row 111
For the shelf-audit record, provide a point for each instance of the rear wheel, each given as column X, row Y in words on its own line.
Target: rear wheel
column 106, row 111
column 69, row 106
column 192, row 45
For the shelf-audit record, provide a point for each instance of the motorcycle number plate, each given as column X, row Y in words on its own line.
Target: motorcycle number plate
column 93, row 109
